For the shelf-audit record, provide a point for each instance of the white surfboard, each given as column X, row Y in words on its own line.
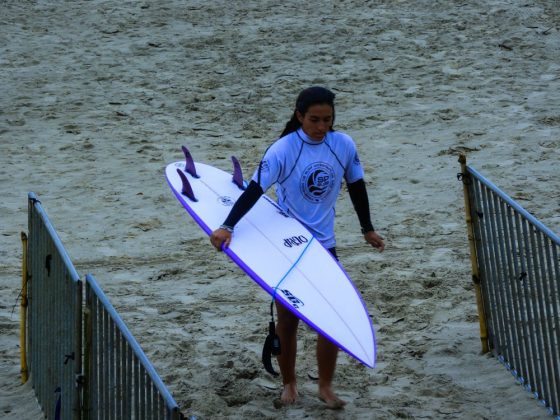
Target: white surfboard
column 279, row 254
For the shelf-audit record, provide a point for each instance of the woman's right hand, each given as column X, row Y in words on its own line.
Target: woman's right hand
column 220, row 237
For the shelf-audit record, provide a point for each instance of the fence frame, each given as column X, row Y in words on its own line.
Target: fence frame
column 516, row 270
column 54, row 338
column 24, row 370
column 127, row 363
column 44, row 332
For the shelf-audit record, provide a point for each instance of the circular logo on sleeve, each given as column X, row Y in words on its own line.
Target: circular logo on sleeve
column 317, row 181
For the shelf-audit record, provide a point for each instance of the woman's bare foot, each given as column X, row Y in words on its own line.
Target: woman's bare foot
column 289, row 394
column 327, row 395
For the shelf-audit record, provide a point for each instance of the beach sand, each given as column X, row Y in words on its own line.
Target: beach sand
column 98, row 96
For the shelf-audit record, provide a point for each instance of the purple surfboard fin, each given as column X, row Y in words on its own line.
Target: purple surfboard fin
column 237, row 174
column 189, row 162
column 187, row 189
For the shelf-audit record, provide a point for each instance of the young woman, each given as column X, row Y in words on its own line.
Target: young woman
column 307, row 165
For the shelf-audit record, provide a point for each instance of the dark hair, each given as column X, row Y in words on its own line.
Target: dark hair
column 315, row 95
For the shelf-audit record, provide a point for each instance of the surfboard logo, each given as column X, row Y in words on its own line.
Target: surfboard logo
column 282, row 212
column 224, row 200
column 317, row 182
column 295, row 241
column 295, row 301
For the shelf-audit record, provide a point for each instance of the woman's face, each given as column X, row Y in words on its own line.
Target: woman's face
column 317, row 121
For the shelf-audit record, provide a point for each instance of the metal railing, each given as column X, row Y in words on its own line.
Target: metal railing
column 109, row 377
column 519, row 276
column 54, row 318
column 122, row 382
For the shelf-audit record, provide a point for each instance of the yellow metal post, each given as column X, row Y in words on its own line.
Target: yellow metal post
column 474, row 263
column 23, row 312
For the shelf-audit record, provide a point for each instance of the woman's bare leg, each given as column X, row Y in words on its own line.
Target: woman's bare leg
column 326, row 361
column 286, row 328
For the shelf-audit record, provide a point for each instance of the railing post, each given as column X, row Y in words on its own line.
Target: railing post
column 474, row 262
column 78, row 368
column 87, row 359
column 23, row 311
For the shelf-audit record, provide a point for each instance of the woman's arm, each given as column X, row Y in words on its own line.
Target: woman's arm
column 222, row 235
column 359, row 197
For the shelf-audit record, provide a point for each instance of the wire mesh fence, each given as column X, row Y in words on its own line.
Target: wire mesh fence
column 519, row 275
column 54, row 318
column 82, row 359
column 122, row 383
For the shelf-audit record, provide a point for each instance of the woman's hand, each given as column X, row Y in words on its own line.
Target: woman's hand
column 374, row 240
column 220, row 237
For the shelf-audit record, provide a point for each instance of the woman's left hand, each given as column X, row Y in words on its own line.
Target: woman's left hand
column 374, row 240
column 220, row 237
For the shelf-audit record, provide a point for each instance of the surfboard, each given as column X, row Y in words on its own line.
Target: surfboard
column 279, row 254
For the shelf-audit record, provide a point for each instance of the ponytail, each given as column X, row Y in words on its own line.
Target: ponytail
column 292, row 125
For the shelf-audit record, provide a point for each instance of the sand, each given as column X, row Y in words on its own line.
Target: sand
column 97, row 97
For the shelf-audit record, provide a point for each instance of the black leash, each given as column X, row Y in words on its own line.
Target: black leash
column 271, row 344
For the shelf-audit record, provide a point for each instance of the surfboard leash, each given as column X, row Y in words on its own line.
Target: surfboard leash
column 272, row 345
column 275, row 290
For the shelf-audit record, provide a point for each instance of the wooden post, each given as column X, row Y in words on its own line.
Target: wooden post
column 23, row 312
column 474, row 262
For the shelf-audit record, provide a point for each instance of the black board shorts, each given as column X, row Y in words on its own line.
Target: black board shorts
column 333, row 252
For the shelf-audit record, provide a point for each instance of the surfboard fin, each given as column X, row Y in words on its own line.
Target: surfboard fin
column 237, row 174
column 187, row 189
column 189, row 162
column 271, row 347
